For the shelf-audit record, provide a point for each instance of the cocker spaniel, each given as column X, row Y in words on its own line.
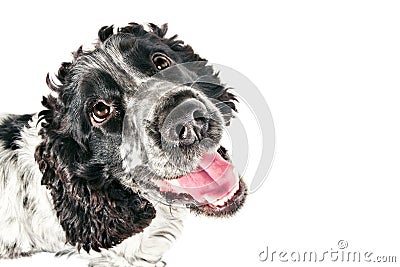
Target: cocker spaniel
column 127, row 144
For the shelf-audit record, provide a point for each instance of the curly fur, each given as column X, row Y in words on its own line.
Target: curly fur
column 94, row 209
column 70, row 178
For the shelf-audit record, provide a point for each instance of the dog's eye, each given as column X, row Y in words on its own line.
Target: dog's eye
column 100, row 112
column 161, row 61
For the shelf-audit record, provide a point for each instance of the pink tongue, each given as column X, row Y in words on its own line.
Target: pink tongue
column 213, row 180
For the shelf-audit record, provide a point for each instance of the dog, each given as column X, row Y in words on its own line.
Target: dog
column 127, row 144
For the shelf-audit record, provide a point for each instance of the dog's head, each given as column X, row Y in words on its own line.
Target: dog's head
column 140, row 116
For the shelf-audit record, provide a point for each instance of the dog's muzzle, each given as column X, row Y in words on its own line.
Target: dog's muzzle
column 169, row 127
column 172, row 134
column 185, row 124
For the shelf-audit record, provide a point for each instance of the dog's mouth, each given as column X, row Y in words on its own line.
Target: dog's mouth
column 214, row 187
column 184, row 164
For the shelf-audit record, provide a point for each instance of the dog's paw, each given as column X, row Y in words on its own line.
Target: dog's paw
column 7, row 253
column 118, row 261
column 142, row 263
column 147, row 264
column 105, row 261
column 161, row 264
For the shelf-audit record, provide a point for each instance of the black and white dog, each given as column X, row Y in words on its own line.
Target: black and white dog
column 127, row 144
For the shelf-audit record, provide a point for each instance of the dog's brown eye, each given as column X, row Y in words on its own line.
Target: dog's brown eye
column 161, row 61
column 101, row 112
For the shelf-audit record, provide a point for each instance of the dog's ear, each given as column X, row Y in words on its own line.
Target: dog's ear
column 94, row 209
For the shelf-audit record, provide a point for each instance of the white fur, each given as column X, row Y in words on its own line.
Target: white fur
column 26, row 231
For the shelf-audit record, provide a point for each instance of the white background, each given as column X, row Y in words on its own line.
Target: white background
column 329, row 71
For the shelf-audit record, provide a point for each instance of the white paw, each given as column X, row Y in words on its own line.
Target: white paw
column 161, row 264
column 105, row 261
column 118, row 261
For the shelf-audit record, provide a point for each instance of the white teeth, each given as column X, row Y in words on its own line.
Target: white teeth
column 222, row 201
column 173, row 182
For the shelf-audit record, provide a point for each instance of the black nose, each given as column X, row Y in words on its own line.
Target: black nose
column 186, row 123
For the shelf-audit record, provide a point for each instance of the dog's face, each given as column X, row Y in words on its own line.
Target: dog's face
column 139, row 116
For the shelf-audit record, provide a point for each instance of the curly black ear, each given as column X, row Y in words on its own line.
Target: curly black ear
column 93, row 207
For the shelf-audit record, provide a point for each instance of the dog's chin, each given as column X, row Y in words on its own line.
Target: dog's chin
column 212, row 189
column 230, row 206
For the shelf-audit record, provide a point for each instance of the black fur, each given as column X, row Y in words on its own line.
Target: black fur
column 94, row 209
column 80, row 163
column 10, row 130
